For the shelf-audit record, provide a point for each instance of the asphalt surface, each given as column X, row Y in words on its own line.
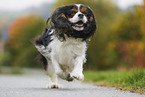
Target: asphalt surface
column 34, row 85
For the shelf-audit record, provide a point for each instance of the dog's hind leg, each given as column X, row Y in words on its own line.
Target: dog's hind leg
column 51, row 72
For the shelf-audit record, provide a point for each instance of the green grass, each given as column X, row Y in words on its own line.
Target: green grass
column 133, row 81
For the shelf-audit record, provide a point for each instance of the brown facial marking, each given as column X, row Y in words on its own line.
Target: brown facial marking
column 91, row 18
column 83, row 9
column 75, row 10
column 63, row 15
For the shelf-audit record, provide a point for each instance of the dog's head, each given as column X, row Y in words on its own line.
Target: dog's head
column 74, row 21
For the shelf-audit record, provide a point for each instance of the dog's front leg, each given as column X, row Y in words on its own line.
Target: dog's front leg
column 52, row 72
column 77, row 72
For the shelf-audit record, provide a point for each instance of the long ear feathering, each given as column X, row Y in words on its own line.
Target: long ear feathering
column 60, row 22
column 93, row 25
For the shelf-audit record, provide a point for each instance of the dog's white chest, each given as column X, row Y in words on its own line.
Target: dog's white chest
column 66, row 52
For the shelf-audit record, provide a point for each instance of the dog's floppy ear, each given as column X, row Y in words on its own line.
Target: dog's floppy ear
column 60, row 21
column 92, row 27
column 56, row 13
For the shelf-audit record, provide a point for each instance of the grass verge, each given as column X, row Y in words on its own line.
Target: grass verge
column 133, row 80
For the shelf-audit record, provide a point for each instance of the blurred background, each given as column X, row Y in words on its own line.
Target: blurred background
column 119, row 42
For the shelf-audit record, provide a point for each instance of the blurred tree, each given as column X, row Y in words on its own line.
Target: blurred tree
column 105, row 13
column 0, row 35
column 128, row 27
column 130, row 34
column 21, row 32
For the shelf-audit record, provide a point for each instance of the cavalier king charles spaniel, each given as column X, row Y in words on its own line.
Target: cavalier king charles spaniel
column 63, row 45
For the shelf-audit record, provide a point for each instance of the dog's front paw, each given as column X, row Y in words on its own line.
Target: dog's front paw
column 53, row 85
column 69, row 78
column 78, row 76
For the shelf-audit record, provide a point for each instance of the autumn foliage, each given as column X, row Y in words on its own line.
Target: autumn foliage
column 21, row 33
column 130, row 35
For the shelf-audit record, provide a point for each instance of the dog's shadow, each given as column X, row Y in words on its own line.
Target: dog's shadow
column 60, row 89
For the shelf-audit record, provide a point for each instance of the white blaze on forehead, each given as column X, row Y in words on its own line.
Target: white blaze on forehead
column 78, row 5
column 75, row 18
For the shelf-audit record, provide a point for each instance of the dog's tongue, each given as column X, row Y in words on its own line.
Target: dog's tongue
column 78, row 24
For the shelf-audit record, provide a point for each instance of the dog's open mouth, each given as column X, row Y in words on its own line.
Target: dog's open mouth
column 79, row 26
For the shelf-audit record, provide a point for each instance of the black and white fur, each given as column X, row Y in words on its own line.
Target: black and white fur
column 63, row 46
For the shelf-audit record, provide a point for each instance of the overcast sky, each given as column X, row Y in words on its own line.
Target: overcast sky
column 18, row 5
column 123, row 4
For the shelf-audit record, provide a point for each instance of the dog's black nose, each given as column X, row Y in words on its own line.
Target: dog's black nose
column 80, row 16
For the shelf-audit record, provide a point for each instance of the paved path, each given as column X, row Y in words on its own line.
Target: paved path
column 34, row 86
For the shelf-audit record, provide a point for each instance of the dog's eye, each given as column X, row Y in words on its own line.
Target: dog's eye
column 72, row 13
column 84, row 13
